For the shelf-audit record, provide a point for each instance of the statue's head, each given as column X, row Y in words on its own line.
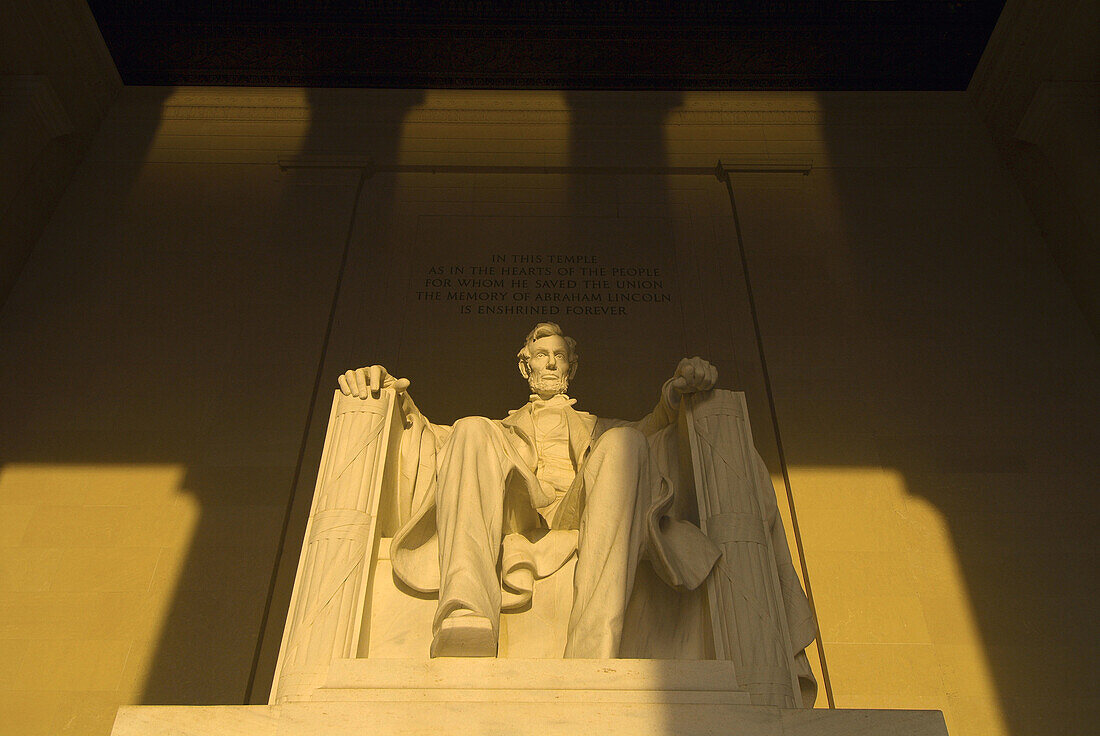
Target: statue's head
column 548, row 360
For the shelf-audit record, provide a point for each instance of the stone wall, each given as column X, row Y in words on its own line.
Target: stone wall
column 921, row 379
column 56, row 82
column 1038, row 89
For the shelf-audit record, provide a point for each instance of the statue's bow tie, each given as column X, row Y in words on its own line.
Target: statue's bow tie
column 557, row 401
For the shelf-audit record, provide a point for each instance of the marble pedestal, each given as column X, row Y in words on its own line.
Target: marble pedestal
column 520, row 697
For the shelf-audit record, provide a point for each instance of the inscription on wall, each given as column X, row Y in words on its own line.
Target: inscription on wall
column 546, row 284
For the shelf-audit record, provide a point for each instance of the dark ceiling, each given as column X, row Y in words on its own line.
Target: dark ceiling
column 754, row 44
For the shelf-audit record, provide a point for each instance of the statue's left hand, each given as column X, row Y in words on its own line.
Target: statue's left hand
column 694, row 374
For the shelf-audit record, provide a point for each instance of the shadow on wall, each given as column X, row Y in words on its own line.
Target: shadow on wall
column 227, row 602
column 627, row 132
column 947, row 349
column 187, row 291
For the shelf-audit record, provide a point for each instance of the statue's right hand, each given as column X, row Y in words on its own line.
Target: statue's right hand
column 367, row 382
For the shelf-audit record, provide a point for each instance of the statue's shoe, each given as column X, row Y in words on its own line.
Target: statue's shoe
column 465, row 636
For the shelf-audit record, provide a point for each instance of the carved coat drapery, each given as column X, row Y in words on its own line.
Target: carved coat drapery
column 681, row 554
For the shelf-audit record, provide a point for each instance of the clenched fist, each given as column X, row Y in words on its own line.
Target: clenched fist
column 694, row 374
column 369, row 381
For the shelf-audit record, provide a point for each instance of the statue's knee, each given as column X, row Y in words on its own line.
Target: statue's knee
column 626, row 440
column 472, row 427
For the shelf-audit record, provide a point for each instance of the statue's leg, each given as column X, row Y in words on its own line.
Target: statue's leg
column 609, row 545
column 469, row 515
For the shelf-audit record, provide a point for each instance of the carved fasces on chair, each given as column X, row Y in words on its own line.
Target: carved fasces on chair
column 748, row 620
column 333, row 572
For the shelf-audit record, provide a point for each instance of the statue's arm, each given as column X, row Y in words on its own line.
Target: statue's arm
column 692, row 375
column 368, row 381
column 662, row 415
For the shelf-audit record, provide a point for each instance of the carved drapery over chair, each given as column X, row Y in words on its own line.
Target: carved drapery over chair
column 750, row 614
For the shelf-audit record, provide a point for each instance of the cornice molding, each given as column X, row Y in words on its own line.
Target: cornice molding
column 531, row 107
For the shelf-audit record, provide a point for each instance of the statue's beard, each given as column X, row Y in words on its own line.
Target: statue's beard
column 548, row 383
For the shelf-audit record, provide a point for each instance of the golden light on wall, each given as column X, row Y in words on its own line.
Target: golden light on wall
column 893, row 604
column 89, row 569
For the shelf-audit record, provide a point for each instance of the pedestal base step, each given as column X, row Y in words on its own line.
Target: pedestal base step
column 517, row 697
column 461, row 679
column 518, row 719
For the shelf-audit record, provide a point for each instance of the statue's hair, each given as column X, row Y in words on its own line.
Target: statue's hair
column 547, row 329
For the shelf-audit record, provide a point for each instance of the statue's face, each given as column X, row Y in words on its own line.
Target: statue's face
column 548, row 366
